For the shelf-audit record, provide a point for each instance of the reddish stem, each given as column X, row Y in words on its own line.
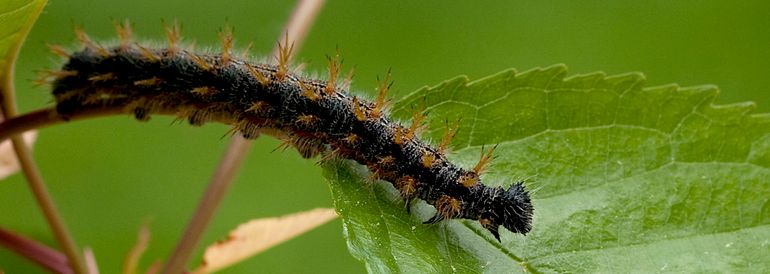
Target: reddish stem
column 47, row 257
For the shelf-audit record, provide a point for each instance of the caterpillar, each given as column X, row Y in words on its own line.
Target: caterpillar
column 313, row 115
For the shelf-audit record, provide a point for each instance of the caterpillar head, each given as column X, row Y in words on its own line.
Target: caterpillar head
column 510, row 208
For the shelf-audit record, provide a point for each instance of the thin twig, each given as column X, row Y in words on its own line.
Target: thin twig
column 28, row 165
column 42, row 118
column 295, row 32
column 46, row 117
column 39, row 253
column 44, row 200
column 28, row 121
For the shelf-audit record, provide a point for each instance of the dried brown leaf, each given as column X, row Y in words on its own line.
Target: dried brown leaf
column 90, row 258
column 131, row 261
column 258, row 235
column 9, row 164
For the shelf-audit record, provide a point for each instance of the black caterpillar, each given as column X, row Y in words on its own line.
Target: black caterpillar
column 315, row 116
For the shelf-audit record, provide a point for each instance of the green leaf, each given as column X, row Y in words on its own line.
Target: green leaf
column 16, row 19
column 626, row 178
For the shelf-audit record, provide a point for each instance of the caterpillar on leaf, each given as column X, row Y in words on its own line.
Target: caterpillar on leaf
column 313, row 115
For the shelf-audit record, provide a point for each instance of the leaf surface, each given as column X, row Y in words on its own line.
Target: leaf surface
column 626, row 178
column 16, row 19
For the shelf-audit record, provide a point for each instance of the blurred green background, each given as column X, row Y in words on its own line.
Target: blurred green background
column 110, row 175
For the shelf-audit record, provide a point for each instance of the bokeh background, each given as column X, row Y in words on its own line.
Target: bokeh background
column 110, row 175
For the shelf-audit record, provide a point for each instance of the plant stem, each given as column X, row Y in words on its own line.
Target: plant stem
column 42, row 118
column 295, row 32
column 44, row 200
column 43, row 255
column 28, row 165
column 34, row 120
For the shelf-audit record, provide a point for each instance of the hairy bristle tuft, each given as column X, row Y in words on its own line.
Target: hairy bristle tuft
column 256, row 74
column 406, row 186
column 284, row 55
column 468, row 180
column 351, row 139
column 246, row 52
column 202, row 63
column 88, row 43
column 204, row 91
column 448, row 207
column 148, row 54
column 50, row 76
column 226, row 38
column 428, row 159
column 173, row 36
column 387, row 161
column 308, row 91
column 449, row 134
column 59, row 51
column 380, row 104
column 148, row 82
column 416, row 126
column 125, row 33
column 484, row 161
column 307, row 120
column 358, row 110
column 398, row 135
column 348, row 80
column 102, row 77
column 335, row 64
column 257, row 107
